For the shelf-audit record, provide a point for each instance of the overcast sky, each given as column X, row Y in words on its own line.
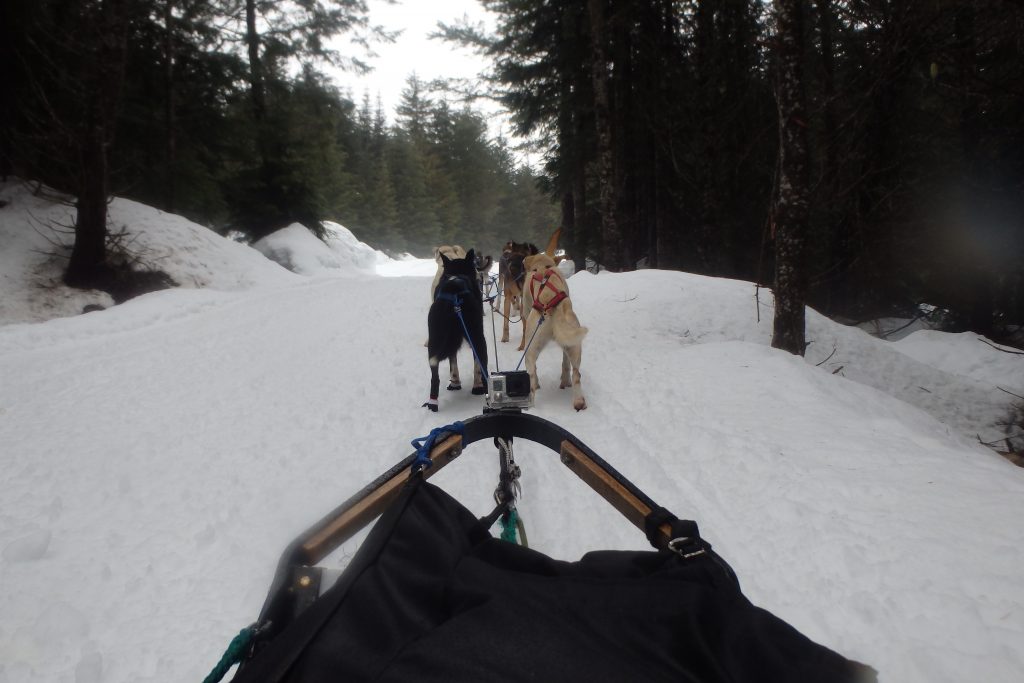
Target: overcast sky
column 413, row 51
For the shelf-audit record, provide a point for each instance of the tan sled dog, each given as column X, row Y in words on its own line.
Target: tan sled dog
column 546, row 298
column 452, row 252
column 483, row 265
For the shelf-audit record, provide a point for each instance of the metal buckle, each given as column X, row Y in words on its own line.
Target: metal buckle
column 678, row 546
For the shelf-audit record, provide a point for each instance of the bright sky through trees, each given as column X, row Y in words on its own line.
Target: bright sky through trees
column 413, row 51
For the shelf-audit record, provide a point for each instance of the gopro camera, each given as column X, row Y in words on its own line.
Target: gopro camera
column 510, row 389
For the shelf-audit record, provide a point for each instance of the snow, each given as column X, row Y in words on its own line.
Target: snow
column 31, row 226
column 298, row 250
column 968, row 355
column 159, row 455
column 894, row 329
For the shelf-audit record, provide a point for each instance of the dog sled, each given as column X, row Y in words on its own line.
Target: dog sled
column 432, row 596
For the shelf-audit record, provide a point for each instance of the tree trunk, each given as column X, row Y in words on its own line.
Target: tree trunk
column 100, row 91
column 170, row 125
column 15, row 80
column 836, row 240
column 612, row 256
column 256, row 86
column 87, row 266
column 586, row 228
column 569, row 235
column 583, row 225
column 708, row 83
column 791, row 204
column 624, row 137
column 980, row 314
column 568, row 225
column 826, row 19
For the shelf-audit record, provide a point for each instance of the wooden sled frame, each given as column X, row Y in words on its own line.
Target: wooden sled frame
column 354, row 514
column 297, row 582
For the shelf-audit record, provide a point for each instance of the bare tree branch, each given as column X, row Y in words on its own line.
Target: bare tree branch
column 1010, row 393
column 818, row 365
column 1015, row 353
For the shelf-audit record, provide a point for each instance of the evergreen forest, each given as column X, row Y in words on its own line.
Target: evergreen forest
column 863, row 156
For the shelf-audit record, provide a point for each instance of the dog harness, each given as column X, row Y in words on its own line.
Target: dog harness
column 444, row 291
column 537, row 285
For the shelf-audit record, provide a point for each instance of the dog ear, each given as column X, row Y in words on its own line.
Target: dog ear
column 444, row 260
column 471, row 256
column 533, row 250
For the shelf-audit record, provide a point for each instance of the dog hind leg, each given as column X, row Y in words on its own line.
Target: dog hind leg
column 453, row 368
column 435, row 384
column 523, row 314
column 504, row 325
column 572, row 356
column 540, row 340
column 480, row 344
column 478, row 380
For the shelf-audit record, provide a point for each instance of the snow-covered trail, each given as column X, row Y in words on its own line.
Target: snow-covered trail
column 162, row 453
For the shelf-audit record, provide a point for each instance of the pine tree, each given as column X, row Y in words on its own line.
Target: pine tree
column 275, row 33
column 415, row 211
column 790, row 215
column 68, row 70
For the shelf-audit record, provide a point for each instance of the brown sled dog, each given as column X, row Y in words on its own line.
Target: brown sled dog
column 546, row 299
column 511, row 275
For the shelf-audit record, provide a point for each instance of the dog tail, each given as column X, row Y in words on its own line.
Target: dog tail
column 570, row 337
column 568, row 331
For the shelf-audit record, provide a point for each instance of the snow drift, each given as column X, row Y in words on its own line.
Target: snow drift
column 160, row 454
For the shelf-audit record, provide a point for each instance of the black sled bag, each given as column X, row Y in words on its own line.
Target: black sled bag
column 431, row 596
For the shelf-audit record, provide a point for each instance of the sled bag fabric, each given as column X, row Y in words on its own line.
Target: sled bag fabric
column 431, row 596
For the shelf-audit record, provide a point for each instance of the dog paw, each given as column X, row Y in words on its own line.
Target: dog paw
column 479, row 391
column 454, row 387
column 580, row 404
column 432, row 407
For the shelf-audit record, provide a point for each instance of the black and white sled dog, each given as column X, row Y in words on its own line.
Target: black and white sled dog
column 457, row 292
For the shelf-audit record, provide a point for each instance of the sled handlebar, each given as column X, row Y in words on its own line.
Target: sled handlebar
column 355, row 513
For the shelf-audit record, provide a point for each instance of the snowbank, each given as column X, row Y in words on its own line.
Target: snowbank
column 37, row 233
column 300, row 251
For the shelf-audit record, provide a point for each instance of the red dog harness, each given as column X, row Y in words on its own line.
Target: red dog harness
column 536, row 290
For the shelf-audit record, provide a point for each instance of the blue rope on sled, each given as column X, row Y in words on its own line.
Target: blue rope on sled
column 465, row 331
column 456, row 300
column 425, row 444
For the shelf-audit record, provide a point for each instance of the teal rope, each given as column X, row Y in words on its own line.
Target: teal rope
column 508, row 526
column 235, row 653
